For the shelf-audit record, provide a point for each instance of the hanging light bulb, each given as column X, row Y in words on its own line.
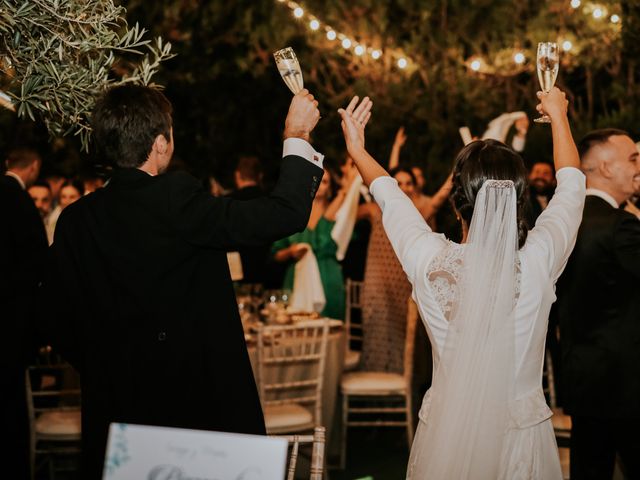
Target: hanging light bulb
column 475, row 65
column 314, row 24
column 519, row 58
column 402, row 63
column 598, row 13
column 346, row 43
column 575, row 3
column 359, row 50
column 376, row 54
column 331, row 35
column 298, row 12
column 615, row 18
column 567, row 45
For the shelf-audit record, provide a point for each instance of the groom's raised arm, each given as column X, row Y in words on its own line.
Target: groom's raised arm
column 224, row 223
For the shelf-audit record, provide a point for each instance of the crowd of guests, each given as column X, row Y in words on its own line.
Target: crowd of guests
column 597, row 317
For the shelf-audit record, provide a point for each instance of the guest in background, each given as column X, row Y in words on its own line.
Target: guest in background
column 318, row 236
column 40, row 193
column 422, row 202
column 70, row 191
column 542, row 183
column 55, row 179
column 599, row 311
column 23, row 243
column 145, row 255
column 248, row 179
column 386, row 287
column 355, row 258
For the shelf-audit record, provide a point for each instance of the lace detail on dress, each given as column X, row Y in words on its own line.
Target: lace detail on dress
column 444, row 275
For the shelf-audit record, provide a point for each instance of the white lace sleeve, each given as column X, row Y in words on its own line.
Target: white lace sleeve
column 555, row 231
column 412, row 239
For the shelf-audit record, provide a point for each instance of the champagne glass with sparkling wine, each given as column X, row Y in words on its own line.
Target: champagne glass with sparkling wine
column 289, row 69
column 548, row 65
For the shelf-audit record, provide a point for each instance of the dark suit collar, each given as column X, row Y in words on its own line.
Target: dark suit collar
column 129, row 176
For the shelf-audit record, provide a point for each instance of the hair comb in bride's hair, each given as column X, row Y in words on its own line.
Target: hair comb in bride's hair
column 499, row 184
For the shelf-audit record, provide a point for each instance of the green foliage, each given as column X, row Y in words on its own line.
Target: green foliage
column 58, row 56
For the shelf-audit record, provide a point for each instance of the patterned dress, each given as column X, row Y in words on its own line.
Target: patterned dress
column 384, row 315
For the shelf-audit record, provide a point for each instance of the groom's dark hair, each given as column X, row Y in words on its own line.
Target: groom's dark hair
column 484, row 160
column 126, row 121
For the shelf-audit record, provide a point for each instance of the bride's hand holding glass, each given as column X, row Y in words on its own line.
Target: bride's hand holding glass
column 553, row 103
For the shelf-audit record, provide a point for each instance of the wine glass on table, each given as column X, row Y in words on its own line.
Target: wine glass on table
column 548, row 63
column 289, row 69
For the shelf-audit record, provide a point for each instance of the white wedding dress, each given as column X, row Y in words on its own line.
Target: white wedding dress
column 433, row 265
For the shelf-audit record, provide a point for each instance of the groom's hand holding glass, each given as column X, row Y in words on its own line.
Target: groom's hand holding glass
column 553, row 103
column 302, row 117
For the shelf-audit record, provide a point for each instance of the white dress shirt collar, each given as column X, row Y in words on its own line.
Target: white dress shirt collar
column 603, row 195
column 17, row 177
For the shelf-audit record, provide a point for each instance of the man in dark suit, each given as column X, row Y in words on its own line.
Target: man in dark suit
column 23, row 246
column 599, row 311
column 139, row 267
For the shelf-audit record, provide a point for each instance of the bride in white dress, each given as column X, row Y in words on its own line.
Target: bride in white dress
column 485, row 302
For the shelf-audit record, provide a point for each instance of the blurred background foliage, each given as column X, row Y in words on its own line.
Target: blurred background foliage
column 229, row 99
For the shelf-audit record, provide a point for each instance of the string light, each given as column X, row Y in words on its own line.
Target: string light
column 315, row 24
column 597, row 11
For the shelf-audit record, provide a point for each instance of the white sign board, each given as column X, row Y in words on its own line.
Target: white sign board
column 138, row 452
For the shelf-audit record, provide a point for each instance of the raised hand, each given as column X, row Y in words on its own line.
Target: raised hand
column 302, row 117
column 401, row 138
column 554, row 104
column 354, row 119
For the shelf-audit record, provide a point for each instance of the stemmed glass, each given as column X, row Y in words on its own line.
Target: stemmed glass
column 548, row 62
column 289, row 69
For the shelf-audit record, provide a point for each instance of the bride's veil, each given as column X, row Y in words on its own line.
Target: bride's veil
column 474, row 382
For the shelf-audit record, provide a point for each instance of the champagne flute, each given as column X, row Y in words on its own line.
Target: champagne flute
column 289, row 69
column 548, row 65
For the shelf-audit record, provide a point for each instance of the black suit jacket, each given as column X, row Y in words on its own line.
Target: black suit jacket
column 254, row 258
column 599, row 312
column 147, row 308
column 23, row 247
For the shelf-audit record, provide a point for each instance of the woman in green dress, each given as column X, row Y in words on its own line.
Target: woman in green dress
column 318, row 235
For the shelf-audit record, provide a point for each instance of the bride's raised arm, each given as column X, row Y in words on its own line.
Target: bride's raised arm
column 556, row 228
column 411, row 238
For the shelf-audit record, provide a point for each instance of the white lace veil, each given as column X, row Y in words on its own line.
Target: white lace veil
column 474, row 382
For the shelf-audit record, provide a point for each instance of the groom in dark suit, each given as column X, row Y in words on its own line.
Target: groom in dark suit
column 147, row 311
column 599, row 311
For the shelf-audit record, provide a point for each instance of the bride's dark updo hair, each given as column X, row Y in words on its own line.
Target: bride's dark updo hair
column 485, row 160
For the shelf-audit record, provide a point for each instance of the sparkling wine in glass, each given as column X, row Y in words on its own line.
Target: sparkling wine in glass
column 548, row 66
column 289, row 69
